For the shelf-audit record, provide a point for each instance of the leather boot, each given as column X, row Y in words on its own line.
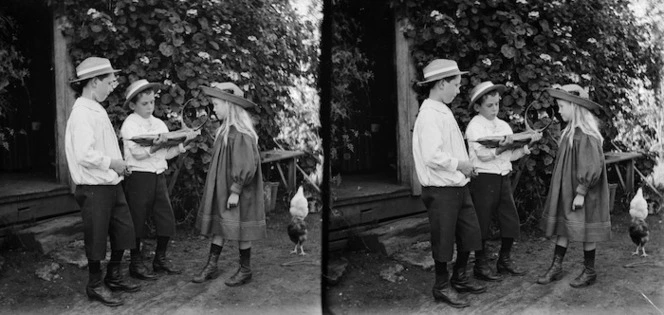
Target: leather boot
column 161, row 264
column 461, row 282
column 588, row 276
column 210, row 270
column 554, row 273
column 96, row 290
column 506, row 265
column 243, row 273
column 115, row 280
column 137, row 268
column 443, row 293
column 482, row 271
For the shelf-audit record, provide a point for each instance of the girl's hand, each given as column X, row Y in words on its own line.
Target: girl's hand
column 578, row 202
column 232, row 201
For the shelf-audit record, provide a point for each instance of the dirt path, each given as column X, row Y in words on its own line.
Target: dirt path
column 281, row 282
column 618, row 290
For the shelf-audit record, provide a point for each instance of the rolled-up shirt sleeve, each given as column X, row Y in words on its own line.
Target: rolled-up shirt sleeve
column 128, row 131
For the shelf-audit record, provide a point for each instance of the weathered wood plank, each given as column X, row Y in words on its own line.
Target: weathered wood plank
column 64, row 98
column 407, row 109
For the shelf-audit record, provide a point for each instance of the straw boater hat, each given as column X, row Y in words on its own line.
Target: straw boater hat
column 218, row 90
column 138, row 86
column 577, row 95
column 440, row 69
column 92, row 67
column 482, row 89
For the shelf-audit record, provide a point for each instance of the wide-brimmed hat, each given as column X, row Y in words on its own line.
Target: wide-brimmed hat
column 576, row 94
column 218, row 90
column 440, row 69
column 484, row 88
column 92, row 67
column 138, row 86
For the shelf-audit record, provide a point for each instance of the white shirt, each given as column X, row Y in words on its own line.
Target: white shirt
column 438, row 146
column 139, row 157
column 485, row 159
column 90, row 144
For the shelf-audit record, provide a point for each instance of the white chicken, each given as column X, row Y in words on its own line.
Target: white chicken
column 638, row 228
column 297, row 228
column 638, row 207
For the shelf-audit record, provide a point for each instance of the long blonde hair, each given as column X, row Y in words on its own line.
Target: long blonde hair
column 584, row 120
column 235, row 116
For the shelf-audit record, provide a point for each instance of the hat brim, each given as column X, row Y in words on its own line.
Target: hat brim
column 157, row 87
column 92, row 75
column 586, row 103
column 501, row 88
column 237, row 100
column 441, row 76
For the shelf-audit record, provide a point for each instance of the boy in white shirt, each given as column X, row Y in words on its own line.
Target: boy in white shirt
column 96, row 167
column 444, row 170
column 146, row 189
column 492, row 189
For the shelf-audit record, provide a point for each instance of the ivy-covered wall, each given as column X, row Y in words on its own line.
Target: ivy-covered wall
column 263, row 46
column 528, row 45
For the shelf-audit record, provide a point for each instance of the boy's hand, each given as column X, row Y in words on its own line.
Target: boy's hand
column 507, row 140
column 578, row 202
column 536, row 137
column 466, row 168
column 191, row 136
column 232, row 201
column 160, row 139
column 120, row 167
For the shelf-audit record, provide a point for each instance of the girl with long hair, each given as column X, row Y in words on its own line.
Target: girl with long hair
column 577, row 206
column 232, row 207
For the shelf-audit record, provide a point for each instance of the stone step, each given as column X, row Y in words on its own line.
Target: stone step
column 393, row 237
column 51, row 234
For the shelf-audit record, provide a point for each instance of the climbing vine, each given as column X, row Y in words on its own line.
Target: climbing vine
column 262, row 46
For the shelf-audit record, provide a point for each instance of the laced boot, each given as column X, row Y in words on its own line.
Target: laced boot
column 97, row 291
column 588, row 276
column 115, row 280
column 243, row 273
column 506, row 265
column 554, row 273
column 161, row 264
column 210, row 270
column 461, row 282
column 482, row 271
column 443, row 293
column 137, row 268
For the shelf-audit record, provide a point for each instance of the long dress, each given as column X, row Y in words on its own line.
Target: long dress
column 579, row 167
column 234, row 167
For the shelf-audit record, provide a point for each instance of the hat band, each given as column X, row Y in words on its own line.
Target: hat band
column 429, row 74
column 93, row 69
column 130, row 92
column 480, row 91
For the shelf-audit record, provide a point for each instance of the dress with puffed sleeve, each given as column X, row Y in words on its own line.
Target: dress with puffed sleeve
column 580, row 169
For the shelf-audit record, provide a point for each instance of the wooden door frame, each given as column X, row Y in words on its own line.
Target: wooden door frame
column 407, row 108
column 64, row 97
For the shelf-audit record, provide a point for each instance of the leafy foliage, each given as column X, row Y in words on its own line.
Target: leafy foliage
column 351, row 74
column 13, row 72
column 530, row 45
column 262, row 46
